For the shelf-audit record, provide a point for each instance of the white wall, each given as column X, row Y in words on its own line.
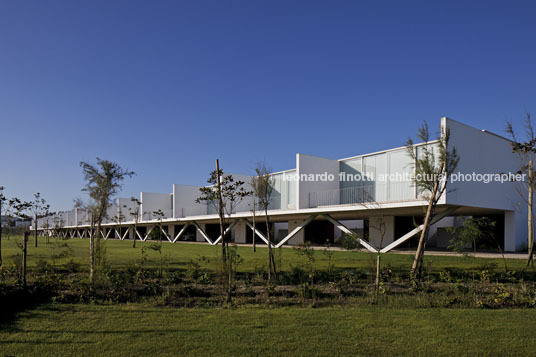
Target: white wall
column 483, row 152
column 151, row 202
column 307, row 164
column 111, row 213
column 375, row 230
column 246, row 204
column 184, row 204
column 82, row 217
column 126, row 206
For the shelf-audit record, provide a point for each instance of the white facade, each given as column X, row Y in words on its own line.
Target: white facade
column 326, row 201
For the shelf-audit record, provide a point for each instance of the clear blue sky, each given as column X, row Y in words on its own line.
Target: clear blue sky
column 165, row 87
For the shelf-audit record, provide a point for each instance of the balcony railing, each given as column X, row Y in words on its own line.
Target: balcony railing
column 367, row 192
column 147, row 216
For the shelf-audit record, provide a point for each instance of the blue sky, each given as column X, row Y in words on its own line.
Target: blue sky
column 166, row 87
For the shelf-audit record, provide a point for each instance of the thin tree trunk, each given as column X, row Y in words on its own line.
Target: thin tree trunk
column 98, row 244
column 24, row 254
column 0, row 233
column 135, row 235
column 531, row 216
column 92, row 252
column 415, row 268
column 424, row 234
column 254, row 245
column 271, row 262
column 35, row 230
column 377, row 282
column 222, row 234
column 503, row 257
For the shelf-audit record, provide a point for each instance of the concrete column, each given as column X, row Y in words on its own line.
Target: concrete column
column 375, row 223
column 280, row 230
column 239, row 233
column 171, row 231
column 299, row 238
column 510, row 231
column 131, row 233
column 198, row 236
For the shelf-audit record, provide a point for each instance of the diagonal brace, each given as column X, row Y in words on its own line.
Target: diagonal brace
column 416, row 230
column 296, row 230
column 345, row 229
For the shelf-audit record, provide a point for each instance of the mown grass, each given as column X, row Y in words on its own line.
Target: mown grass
column 120, row 254
column 89, row 330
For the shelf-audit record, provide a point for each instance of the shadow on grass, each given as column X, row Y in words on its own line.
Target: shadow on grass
column 16, row 299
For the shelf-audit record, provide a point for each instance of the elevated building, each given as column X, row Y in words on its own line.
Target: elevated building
column 322, row 198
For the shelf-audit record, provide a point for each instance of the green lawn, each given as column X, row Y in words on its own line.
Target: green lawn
column 136, row 329
column 87, row 330
column 178, row 255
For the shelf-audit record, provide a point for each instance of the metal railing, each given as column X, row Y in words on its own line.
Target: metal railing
column 367, row 192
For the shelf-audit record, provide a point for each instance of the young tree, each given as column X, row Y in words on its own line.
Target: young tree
column 2, row 200
column 57, row 226
column 226, row 194
column 135, row 214
column 526, row 151
column 23, row 211
column 253, row 204
column 380, row 227
column 433, row 166
column 39, row 208
column 159, row 215
column 263, row 187
column 118, row 218
column 103, row 181
column 475, row 231
column 7, row 208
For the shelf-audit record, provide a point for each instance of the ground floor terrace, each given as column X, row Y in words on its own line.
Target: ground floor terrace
column 377, row 228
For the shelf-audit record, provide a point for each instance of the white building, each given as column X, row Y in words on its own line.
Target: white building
column 327, row 200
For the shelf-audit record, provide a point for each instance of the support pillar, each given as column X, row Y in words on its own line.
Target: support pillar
column 239, row 233
column 171, row 231
column 198, row 236
column 513, row 230
column 299, row 238
column 375, row 223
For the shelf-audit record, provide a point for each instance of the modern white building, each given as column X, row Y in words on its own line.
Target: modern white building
column 321, row 198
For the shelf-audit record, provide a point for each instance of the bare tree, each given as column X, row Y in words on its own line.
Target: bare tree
column 39, row 208
column 263, row 187
column 118, row 218
column 432, row 170
column 526, row 151
column 57, row 226
column 159, row 215
column 135, row 214
column 254, row 240
column 103, row 181
column 225, row 193
column 380, row 227
column 2, row 200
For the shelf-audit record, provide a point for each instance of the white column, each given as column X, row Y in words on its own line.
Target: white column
column 171, row 231
column 375, row 224
column 299, row 238
column 515, row 231
column 198, row 236
column 239, row 233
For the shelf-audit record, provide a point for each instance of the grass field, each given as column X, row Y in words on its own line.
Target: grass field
column 87, row 330
column 141, row 328
column 178, row 255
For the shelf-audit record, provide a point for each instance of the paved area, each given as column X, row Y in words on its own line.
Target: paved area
column 408, row 252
